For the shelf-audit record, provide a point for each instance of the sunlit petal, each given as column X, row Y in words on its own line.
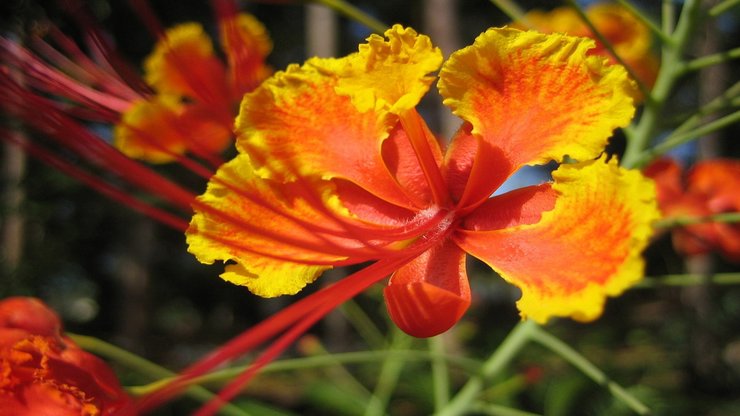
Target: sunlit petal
column 534, row 98
column 584, row 249
column 295, row 124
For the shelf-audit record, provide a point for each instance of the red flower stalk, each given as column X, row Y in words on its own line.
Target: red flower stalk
column 45, row 373
column 709, row 187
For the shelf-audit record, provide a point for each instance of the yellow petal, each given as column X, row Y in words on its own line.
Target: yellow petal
column 586, row 248
column 390, row 73
column 533, row 98
column 183, row 63
column 266, row 228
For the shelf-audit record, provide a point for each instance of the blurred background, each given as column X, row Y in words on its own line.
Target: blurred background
column 119, row 276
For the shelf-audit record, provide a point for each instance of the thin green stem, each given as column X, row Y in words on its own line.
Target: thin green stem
column 390, row 372
column 337, row 371
column 440, row 372
column 501, row 357
column 678, row 139
column 670, row 71
column 728, row 99
column 657, row 31
column 363, row 325
column 726, row 217
column 147, row 368
column 363, row 357
column 569, row 354
column 353, row 13
column 497, row 410
column 681, row 280
column 668, row 16
column 644, row 90
column 512, row 10
column 723, row 7
column 709, row 60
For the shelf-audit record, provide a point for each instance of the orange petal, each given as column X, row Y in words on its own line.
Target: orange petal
column 518, row 207
column 717, row 182
column 183, row 63
column 533, row 98
column 161, row 128
column 295, row 124
column 429, row 295
column 278, row 239
column 667, row 175
column 246, row 45
column 149, row 130
column 586, row 248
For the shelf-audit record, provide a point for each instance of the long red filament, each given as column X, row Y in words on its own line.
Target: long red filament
column 322, row 302
column 96, row 183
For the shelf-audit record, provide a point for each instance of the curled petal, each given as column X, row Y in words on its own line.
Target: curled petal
column 430, row 294
column 295, row 124
column 390, row 73
column 667, row 175
column 246, row 44
column 183, row 63
column 161, row 128
column 273, row 234
column 29, row 315
column 584, row 249
column 532, row 98
column 716, row 183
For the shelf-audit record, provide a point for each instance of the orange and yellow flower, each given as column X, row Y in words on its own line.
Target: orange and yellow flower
column 196, row 94
column 630, row 37
column 45, row 373
column 336, row 167
column 186, row 102
column 710, row 187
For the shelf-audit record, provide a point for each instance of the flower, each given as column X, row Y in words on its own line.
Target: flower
column 630, row 37
column 45, row 373
column 708, row 188
column 336, row 167
column 187, row 102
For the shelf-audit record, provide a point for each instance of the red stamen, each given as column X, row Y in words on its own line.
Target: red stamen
column 95, row 183
column 321, row 302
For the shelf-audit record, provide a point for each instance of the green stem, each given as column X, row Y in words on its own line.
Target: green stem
column 501, row 357
column 569, row 354
column 222, row 376
column 709, row 60
column 147, row 368
column 678, row 139
column 728, row 99
column 353, row 13
column 723, row 7
column 497, row 410
column 644, row 90
column 646, row 20
column 512, row 10
column 670, row 70
column 363, row 325
column 440, row 372
column 725, row 217
column 688, row 280
column 390, row 372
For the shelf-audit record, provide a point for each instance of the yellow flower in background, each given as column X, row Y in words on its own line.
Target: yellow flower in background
column 630, row 38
